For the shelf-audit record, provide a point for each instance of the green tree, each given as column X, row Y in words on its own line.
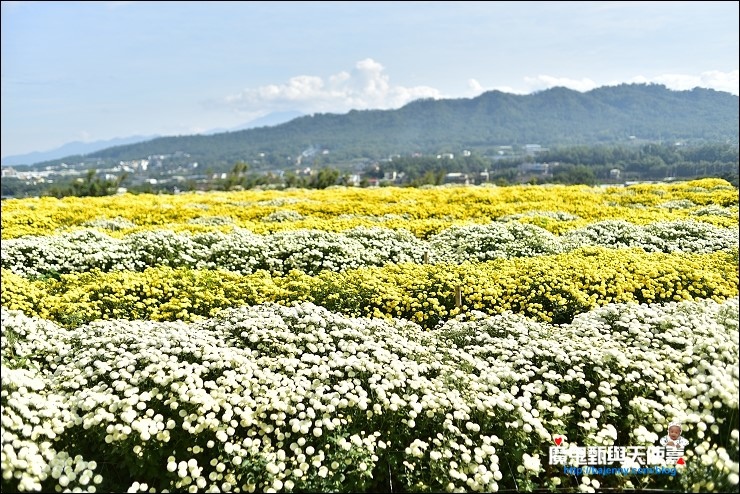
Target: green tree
column 325, row 178
column 237, row 177
column 574, row 174
column 90, row 186
column 294, row 181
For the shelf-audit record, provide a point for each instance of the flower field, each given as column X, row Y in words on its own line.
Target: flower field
column 370, row 340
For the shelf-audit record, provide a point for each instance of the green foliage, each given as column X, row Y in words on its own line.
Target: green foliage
column 574, row 174
column 325, row 178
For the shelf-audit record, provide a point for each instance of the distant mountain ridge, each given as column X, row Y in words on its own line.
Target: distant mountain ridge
column 557, row 116
column 78, row 148
column 74, row 148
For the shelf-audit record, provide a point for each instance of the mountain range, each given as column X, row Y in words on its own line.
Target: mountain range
column 70, row 149
column 85, row 148
column 558, row 116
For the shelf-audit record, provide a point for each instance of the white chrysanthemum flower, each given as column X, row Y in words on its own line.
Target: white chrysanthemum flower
column 531, row 462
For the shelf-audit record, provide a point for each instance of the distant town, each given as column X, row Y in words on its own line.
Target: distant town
column 178, row 172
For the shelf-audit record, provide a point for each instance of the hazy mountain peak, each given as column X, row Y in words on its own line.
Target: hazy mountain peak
column 74, row 148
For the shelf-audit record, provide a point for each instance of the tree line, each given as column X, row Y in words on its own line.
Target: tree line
column 588, row 165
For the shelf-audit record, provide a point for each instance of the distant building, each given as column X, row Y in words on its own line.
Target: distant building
column 9, row 172
column 457, row 178
column 542, row 168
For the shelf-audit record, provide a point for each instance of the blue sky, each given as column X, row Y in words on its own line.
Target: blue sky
column 88, row 71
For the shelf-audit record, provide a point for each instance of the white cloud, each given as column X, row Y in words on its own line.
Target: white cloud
column 546, row 81
column 475, row 86
column 367, row 86
column 714, row 79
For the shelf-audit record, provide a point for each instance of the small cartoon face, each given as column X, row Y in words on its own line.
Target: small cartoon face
column 674, row 432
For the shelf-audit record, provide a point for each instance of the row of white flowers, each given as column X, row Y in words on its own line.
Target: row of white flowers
column 312, row 251
column 274, row 398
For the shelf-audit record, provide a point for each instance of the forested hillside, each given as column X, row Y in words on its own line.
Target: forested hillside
column 555, row 117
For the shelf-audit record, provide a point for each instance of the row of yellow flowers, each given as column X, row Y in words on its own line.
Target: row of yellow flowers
column 424, row 211
column 548, row 288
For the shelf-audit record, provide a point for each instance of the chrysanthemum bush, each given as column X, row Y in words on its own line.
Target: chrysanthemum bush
column 313, row 251
column 424, row 212
column 548, row 288
column 278, row 398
